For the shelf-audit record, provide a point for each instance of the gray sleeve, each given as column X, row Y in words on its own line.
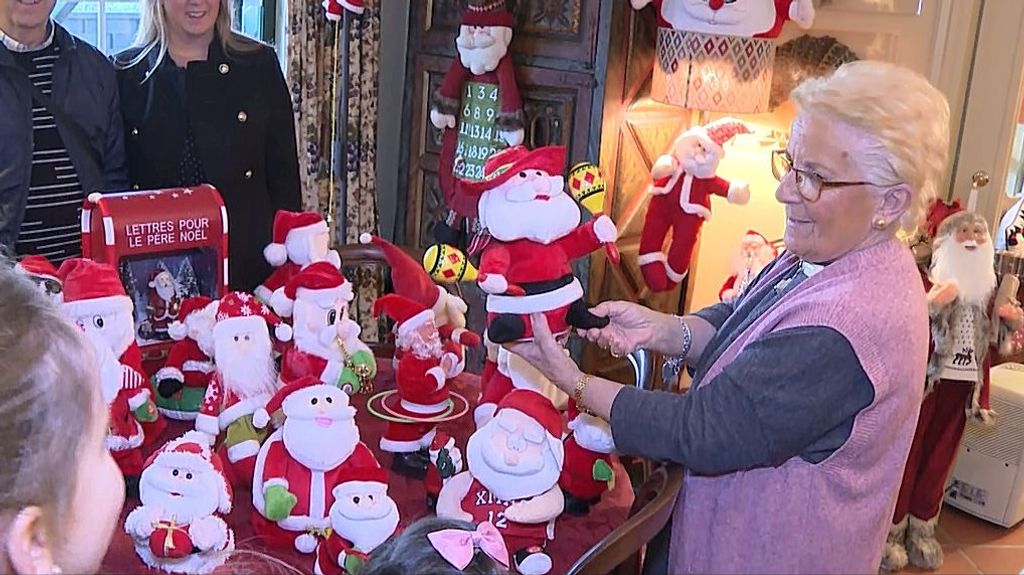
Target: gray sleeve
column 715, row 314
column 782, row 394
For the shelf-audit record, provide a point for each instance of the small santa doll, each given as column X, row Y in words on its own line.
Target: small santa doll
column 754, row 255
column 327, row 344
column 183, row 489
column 422, row 378
column 333, row 9
column 362, row 517
column 535, row 235
column 962, row 299
column 514, row 464
column 748, row 18
column 684, row 181
column 300, row 239
column 316, row 450
column 244, row 380
column 588, row 472
column 181, row 382
column 164, row 302
column 41, row 271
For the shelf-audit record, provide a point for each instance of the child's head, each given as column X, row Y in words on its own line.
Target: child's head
column 62, row 492
column 411, row 553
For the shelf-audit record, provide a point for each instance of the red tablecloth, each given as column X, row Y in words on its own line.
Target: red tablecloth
column 573, row 535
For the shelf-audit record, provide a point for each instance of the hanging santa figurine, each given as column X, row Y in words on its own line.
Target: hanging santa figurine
column 333, row 9
column 477, row 107
column 684, row 181
column 303, row 464
column 363, row 517
column 164, row 302
column 514, row 465
column 962, row 300
column 41, row 271
column 748, row 18
column 536, row 233
column 181, row 382
column 183, row 491
column 300, row 239
column 754, row 255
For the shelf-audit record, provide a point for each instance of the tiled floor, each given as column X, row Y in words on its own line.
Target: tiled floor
column 973, row 546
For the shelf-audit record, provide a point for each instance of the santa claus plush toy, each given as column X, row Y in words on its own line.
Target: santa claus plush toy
column 421, row 380
column 244, row 380
column 164, row 303
column 362, row 517
column 302, row 464
column 684, row 181
column 41, row 271
column 514, row 465
column 754, row 255
column 333, row 9
column 961, row 299
column 535, row 235
column 747, row 18
column 327, row 344
column 588, row 472
column 177, row 527
column 181, row 382
column 300, row 239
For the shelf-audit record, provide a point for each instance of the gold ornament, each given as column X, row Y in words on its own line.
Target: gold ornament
column 448, row 264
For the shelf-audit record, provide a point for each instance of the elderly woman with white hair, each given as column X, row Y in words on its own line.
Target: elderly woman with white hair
column 806, row 389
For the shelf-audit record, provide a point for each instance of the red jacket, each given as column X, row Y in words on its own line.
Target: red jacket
column 526, row 261
column 187, row 363
column 328, row 555
column 421, row 381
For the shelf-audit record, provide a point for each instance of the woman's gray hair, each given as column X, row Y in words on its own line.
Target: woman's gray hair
column 906, row 115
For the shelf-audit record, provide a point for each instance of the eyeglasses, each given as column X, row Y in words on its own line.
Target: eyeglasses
column 808, row 183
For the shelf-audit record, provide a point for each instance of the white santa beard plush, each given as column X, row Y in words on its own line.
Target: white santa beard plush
column 510, row 213
column 364, row 514
column 534, row 470
column 752, row 257
column 199, row 326
column 246, row 367
column 592, row 433
column 483, row 53
column 306, row 248
column 972, row 270
column 323, row 434
column 744, row 18
column 695, row 158
column 418, row 346
column 192, row 494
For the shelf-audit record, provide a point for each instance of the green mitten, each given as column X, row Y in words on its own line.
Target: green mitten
column 146, row 413
column 603, row 472
column 279, row 502
column 353, row 563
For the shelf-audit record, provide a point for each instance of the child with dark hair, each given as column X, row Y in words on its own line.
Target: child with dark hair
column 435, row 546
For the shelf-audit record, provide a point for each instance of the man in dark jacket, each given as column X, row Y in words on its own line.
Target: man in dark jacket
column 61, row 135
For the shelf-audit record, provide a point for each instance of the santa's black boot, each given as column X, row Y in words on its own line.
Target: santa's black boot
column 168, row 387
column 131, row 486
column 413, row 464
column 575, row 506
column 579, row 316
column 506, row 328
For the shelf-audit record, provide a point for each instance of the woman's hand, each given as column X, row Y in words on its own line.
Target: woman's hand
column 631, row 326
column 545, row 354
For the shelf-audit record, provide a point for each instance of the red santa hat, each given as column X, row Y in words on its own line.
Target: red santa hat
column 261, row 417
column 717, row 133
column 177, row 329
column 938, row 212
column 487, row 13
column 292, row 226
column 91, row 287
column 319, row 281
column 192, row 451
column 407, row 313
column 411, row 280
column 505, row 164
column 240, row 306
column 540, row 409
column 157, row 272
column 37, row 266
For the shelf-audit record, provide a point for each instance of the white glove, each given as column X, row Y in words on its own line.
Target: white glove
column 209, row 533
column 513, row 138
column 739, row 193
column 592, row 433
column 441, row 121
column 663, row 167
column 141, row 522
column 605, row 229
column 494, row 284
column 802, row 12
column 639, row 4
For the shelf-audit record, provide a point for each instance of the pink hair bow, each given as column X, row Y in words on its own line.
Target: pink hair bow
column 457, row 546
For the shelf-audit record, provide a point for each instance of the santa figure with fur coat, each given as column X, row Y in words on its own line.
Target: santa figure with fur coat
column 746, row 18
column 303, row 463
column 299, row 239
column 164, row 303
column 962, row 298
column 363, row 517
column 514, row 464
column 183, row 491
column 754, row 255
column 181, row 382
column 244, row 381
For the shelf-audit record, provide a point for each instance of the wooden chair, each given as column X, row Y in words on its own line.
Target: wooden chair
column 621, row 552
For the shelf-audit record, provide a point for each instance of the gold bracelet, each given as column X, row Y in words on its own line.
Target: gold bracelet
column 581, row 384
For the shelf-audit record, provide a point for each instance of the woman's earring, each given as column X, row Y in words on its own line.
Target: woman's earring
column 879, row 224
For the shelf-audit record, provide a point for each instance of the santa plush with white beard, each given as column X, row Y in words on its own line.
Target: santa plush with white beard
column 514, row 464
column 244, row 381
column 747, row 18
column 302, row 465
column 183, row 489
column 535, row 233
column 181, row 382
column 961, row 299
column 363, row 517
column 327, row 344
column 300, row 239
column 588, row 472
column 754, row 255
column 164, row 303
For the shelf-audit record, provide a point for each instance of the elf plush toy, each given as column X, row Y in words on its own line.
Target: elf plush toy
column 684, row 181
column 754, row 255
column 41, row 271
column 961, row 299
column 535, row 235
column 183, row 489
column 748, row 18
column 362, row 517
column 302, row 465
column 181, row 382
column 514, row 464
column 327, row 344
column 300, row 239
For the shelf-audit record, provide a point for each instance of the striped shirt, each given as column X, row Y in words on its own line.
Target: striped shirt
column 52, row 215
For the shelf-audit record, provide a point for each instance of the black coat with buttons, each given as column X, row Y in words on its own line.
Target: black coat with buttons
column 240, row 112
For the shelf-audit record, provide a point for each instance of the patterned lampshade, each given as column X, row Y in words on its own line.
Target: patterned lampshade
column 713, row 73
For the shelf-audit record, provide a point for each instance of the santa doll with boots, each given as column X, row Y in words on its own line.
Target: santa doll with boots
column 754, row 255
column 244, row 381
column 363, row 517
column 535, row 233
column 422, row 384
column 750, row 18
column 588, row 472
column 299, row 239
column 514, row 464
column 164, row 302
column 683, row 182
column 183, row 491
column 299, row 467
column 327, row 344
column 181, row 382
column 483, row 67
column 962, row 301
column 43, row 274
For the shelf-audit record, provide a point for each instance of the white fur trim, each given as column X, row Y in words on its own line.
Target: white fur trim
column 263, row 293
column 317, row 494
column 207, row 424
column 415, row 321
column 169, row 373
column 739, row 193
column 333, row 258
column 198, row 366
column 138, row 400
column 332, row 372
column 653, row 257
column 177, row 330
column 394, row 446
column 546, row 301
column 283, row 332
column 438, row 374
column 177, row 414
column 305, row 543
column 325, row 298
column 260, row 418
column 98, row 306
column 242, row 450
column 697, row 210
column 303, row 522
column 275, row 254
column 424, row 409
column 356, row 485
column 275, row 481
column 243, row 407
column 674, row 275
column 283, row 306
column 365, row 238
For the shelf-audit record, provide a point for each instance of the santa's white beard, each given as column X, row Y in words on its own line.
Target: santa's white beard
column 166, row 292
column 187, row 508
column 317, row 447
column 482, row 463
column 482, row 56
column 972, row 270
column 419, row 347
column 699, row 166
column 539, row 221
column 249, row 374
column 370, row 528
column 751, row 260
column 201, row 331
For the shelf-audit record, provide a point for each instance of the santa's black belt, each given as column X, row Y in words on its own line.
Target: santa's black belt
column 533, row 288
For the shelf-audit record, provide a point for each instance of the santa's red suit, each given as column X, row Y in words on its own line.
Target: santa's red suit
column 577, row 478
column 422, row 393
column 124, row 433
column 297, row 364
column 329, row 558
column 132, row 357
column 312, row 488
column 162, row 311
column 222, row 409
column 188, row 363
column 482, row 505
column 278, row 278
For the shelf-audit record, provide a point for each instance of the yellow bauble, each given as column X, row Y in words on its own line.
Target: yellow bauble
column 588, row 186
column 447, row 264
